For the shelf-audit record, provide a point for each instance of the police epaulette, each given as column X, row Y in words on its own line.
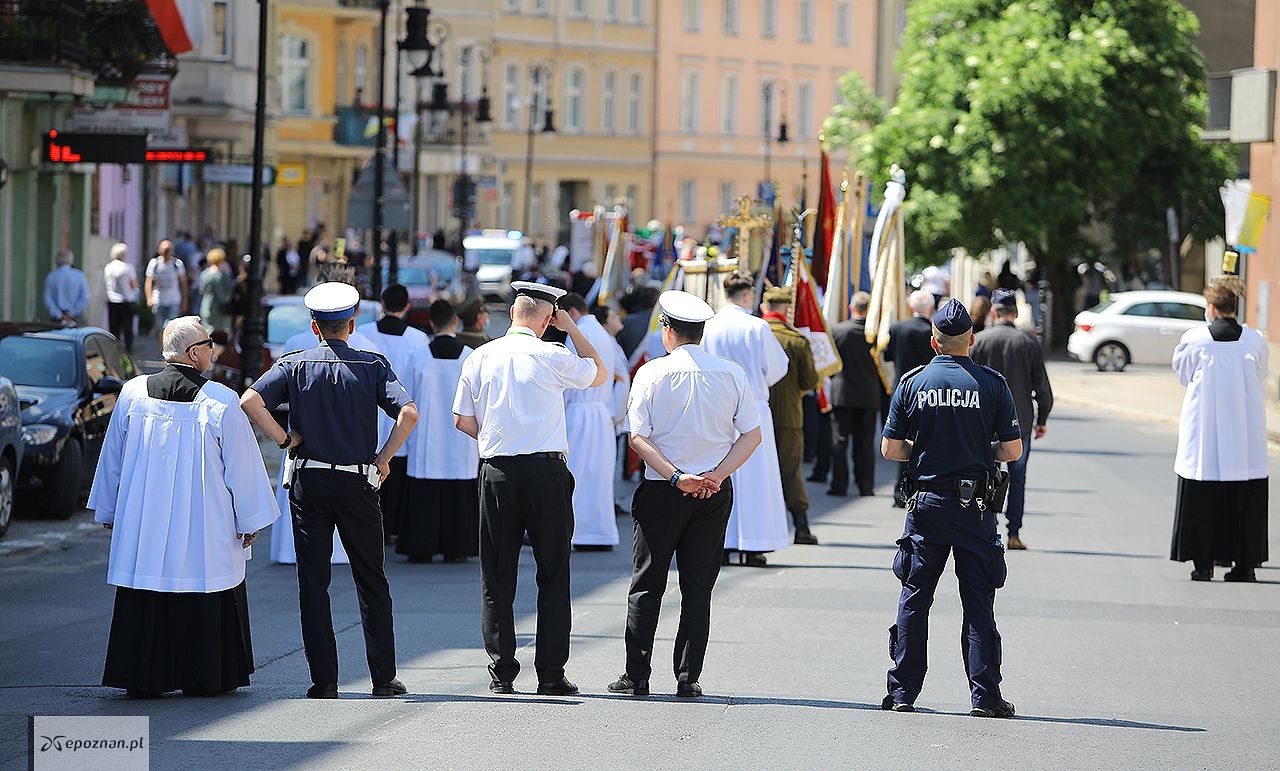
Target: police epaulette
column 562, row 345
column 912, row 373
column 290, row 353
column 992, row 371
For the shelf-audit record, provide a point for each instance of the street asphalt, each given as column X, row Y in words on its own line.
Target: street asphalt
column 1112, row 656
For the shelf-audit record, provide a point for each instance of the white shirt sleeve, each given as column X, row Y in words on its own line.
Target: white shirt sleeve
column 638, row 419
column 464, row 400
column 572, row 371
column 151, row 268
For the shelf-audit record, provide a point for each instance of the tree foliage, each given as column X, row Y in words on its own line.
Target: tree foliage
column 1032, row 120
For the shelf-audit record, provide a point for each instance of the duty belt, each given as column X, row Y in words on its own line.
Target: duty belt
column 357, row 468
column 547, row 455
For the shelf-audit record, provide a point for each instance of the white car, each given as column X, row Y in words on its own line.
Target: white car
column 1135, row 328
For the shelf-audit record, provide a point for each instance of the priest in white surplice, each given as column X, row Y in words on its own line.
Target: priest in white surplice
column 588, row 416
column 181, row 484
column 1221, row 513
column 392, row 337
column 758, row 522
column 443, row 514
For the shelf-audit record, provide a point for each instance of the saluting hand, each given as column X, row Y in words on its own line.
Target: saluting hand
column 561, row 320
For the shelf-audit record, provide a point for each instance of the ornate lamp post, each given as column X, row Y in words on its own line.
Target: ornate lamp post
column 254, row 331
column 537, row 71
column 419, row 47
column 464, row 197
column 783, row 133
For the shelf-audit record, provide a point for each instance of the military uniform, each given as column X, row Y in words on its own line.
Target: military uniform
column 786, row 402
column 334, row 393
column 950, row 410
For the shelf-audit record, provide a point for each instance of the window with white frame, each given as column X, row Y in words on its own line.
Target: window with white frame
column 573, row 84
column 688, row 200
column 804, row 110
column 729, row 17
column 844, row 23
column 726, row 196
column 610, row 194
column 221, row 38
column 769, row 18
column 535, row 207
column 692, row 15
column 729, row 104
column 362, row 66
column 634, row 87
column 768, row 105
column 609, row 103
column 539, row 7
column 633, row 195
column 578, row 8
column 506, row 206
column 611, row 10
column 511, row 6
column 637, row 11
column 805, row 19
column 510, row 95
column 295, row 65
column 689, row 86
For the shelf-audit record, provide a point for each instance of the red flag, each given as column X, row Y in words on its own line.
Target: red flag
column 807, row 317
column 825, row 225
column 172, row 29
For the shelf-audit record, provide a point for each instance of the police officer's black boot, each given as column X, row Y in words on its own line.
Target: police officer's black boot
column 803, row 536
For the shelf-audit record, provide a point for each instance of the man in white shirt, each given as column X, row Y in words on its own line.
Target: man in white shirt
column 511, row 399
column 166, row 286
column 122, row 294
column 758, row 522
column 688, row 410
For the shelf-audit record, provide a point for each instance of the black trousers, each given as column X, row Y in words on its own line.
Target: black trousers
column 392, row 496
column 856, row 426
column 522, row 494
column 669, row 523
column 319, row 500
column 120, row 320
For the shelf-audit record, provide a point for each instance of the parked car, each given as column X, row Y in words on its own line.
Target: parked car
column 67, row 381
column 10, row 450
column 1135, row 328
column 429, row 276
column 495, row 256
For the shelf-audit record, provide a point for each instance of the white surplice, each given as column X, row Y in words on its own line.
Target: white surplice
column 398, row 349
column 588, row 415
column 758, row 520
column 1222, row 432
column 283, row 549
column 178, row 481
column 437, row 449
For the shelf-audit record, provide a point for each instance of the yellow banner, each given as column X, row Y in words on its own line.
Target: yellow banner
column 1255, row 216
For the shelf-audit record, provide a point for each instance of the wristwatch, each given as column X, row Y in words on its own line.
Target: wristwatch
column 287, row 439
column 675, row 478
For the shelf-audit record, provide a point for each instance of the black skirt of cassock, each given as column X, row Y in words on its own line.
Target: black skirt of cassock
column 442, row 516
column 1223, row 521
column 169, row 641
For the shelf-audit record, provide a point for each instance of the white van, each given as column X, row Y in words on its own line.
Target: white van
column 494, row 255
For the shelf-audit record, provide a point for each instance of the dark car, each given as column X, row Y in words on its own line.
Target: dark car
column 428, row 277
column 67, row 382
column 10, row 450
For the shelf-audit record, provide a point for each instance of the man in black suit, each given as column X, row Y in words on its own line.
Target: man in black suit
column 909, row 348
column 856, row 392
column 444, row 320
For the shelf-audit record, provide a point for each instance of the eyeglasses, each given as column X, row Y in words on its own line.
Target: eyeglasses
column 208, row 342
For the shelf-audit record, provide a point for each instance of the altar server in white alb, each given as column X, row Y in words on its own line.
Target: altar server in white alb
column 588, row 416
column 1221, row 513
column 758, row 522
column 443, row 513
column 182, row 487
column 392, row 337
column 282, row 546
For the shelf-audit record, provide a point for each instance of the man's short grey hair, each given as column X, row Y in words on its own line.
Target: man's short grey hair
column 180, row 334
column 861, row 303
column 118, row 250
column 952, row 344
column 526, row 307
column 65, row 257
column 921, row 302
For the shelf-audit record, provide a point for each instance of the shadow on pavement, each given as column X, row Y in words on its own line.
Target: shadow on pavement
column 1111, row 723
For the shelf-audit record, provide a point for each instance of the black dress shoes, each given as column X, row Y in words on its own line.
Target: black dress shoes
column 806, row 539
column 1003, row 709
column 896, row 706
column 319, row 691
column 626, row 685
column 561, row 687
column 837, row 493
column 1202, row 575
column 502, row 686
column 688, row 690
column 816, row 477
column 393, row 688
column 1236, row 575
column 752, row 559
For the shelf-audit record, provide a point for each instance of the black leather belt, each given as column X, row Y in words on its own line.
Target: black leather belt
column 935, row 487
column 541, row 455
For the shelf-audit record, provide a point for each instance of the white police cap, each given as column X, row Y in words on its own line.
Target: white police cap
column 682, row 306
column 538, row 291
column 332, row 301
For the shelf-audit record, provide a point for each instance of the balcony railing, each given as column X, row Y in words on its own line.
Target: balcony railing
column 44, row 32
column 357, row 125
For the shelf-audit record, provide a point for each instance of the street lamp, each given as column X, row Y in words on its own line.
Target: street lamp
column 783, row 134
column 419, row 47
column 537, row 71
column 254, row 331
column 463, row 196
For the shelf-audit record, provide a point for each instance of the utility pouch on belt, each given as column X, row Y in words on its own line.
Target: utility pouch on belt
column 997, row 489
column 375, row 479
column 290, row 466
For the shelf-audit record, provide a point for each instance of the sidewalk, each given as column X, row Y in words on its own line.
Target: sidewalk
column 1146, row 392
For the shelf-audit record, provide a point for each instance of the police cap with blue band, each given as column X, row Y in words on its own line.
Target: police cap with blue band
column 953, row 318
column 332, row 301
column 1004, row 297
column 542, row 292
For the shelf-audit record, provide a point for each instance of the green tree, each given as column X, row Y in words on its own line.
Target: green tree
column 1030, row 121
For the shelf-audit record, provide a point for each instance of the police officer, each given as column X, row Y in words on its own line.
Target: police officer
column 511, row 399
column 687, row 410
column 942, row 420
column 334, row 392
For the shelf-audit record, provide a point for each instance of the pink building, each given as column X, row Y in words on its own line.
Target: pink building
column 729, row 72
column 1262, row 269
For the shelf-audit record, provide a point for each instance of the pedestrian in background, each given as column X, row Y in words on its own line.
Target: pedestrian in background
column 785, row 404
column 942, row 422
column 166, row 287
column 66, row 291
column 856, row 393
column 980, row 312
column 1221, row 464
column 334, row 391
column 181, row 485
column 288, row 266
column 1017, row 356
column 122, row 294
column 474, row 317
column 510, row 399
column 215, row 296
column 688, row 410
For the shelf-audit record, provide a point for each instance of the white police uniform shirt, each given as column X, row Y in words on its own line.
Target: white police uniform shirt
column 438, row 450
column 514, row 386
column 282, row 547
column 398, row 349
column 593, row 447
column 692, row 406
